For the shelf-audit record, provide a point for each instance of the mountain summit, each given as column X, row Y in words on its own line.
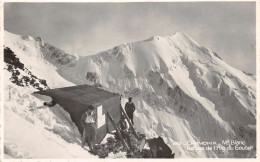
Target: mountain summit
column 183, row 92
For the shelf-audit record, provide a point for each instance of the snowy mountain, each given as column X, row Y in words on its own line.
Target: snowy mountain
column 183, row 92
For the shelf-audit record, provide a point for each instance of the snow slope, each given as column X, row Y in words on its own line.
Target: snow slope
column 29, row 51
column 35, row 131
column 183, row 92
column 50, row 131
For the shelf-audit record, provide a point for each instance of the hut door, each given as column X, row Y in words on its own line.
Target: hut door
column 101, row 118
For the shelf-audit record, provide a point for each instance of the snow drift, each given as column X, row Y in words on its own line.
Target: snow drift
column 183, row 92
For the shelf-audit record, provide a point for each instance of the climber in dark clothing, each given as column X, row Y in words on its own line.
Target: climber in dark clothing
column 129, row 109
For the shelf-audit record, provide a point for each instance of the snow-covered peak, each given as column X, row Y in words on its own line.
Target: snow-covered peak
column 11, row 36
column 28, row 47
column 41, row 58
column 177, row 76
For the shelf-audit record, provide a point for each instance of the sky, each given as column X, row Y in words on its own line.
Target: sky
column 227, row 28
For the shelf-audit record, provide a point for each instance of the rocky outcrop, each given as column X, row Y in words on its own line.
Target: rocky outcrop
column 20, row 75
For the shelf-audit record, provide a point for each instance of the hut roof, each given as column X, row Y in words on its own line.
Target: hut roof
column 85, row 94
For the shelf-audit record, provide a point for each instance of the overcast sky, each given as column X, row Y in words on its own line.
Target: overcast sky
column 227, row 28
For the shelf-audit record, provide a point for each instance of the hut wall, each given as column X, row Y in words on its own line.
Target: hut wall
column 113, row 106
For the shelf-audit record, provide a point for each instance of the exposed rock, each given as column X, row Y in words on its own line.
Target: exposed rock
column 21, row 76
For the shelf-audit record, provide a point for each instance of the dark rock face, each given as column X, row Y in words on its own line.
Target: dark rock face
column 58, row 56
column 157, row 148
column 93, row 77
column 215, row 54
column 15, row 67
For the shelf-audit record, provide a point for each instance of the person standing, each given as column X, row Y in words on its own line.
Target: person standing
column 124, row 130
column 129, row 109
column 89, row 131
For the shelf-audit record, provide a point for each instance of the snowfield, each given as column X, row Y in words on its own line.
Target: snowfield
column 183, row 92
